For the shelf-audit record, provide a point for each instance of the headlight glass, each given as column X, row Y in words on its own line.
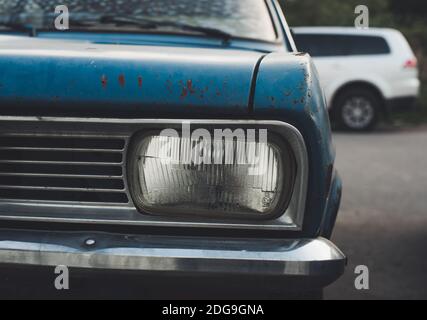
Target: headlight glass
column 233, row 179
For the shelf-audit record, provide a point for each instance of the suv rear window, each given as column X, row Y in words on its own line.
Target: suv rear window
column 328, row 45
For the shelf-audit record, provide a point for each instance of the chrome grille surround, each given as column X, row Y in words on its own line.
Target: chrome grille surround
column 110, row 210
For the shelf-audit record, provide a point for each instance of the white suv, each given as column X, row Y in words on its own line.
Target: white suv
column 365, row 73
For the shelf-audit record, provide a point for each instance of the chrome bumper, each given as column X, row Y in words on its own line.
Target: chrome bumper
column 283, row 258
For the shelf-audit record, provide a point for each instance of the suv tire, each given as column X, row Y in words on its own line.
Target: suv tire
column 357, row 109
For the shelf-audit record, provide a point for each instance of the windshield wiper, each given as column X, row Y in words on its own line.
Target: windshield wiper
column 153, row 24
column 17, row 23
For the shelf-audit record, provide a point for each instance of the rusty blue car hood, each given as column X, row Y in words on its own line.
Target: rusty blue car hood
column 66, row 74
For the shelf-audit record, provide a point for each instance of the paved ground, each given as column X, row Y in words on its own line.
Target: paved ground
column 383, row 220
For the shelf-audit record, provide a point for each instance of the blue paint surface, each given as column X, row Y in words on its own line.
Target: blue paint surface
column 288, row 89
column 46, row 71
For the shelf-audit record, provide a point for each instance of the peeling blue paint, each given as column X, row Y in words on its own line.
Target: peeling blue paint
column 107, row 74
column 289, row 84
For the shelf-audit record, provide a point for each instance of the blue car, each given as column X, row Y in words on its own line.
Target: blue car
column 184, row 144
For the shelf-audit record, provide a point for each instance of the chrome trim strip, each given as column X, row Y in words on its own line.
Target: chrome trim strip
column 52, row 135
column 125, row 128
column 63, row 150
column 52, row 175
column 65, row 163
column 16, row 187
column 304, row 257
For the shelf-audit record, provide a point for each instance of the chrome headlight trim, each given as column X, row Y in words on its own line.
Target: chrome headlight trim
column 293, row 217
column 285, row 183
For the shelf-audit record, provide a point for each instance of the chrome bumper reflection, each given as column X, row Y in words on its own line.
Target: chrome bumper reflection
column 307, row 257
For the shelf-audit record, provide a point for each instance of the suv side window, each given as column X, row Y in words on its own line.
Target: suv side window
column 329, row 45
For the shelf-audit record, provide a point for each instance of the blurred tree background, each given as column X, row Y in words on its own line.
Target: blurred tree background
column 408, row 16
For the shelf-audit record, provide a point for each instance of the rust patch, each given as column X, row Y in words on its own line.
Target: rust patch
column 184, row 92
column 169, row 86
column 190, row 86
column 104, row 81
column 122, row 80
column 187, row 89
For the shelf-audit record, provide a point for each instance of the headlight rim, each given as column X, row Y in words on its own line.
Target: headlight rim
column 280, row 209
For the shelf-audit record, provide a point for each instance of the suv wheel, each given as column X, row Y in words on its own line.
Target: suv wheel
column 357, row 109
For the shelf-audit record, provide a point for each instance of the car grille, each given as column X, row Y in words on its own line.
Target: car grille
column 65, row 168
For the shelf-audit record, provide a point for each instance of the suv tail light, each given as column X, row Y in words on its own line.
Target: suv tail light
column 411, row 63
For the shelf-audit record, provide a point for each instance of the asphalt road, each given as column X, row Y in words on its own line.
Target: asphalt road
column 383, row 219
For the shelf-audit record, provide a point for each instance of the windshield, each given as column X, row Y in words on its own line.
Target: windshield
column 239, row 18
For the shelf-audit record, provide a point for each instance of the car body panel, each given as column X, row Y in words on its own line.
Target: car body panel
column 53, row 72
column 288, row 88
